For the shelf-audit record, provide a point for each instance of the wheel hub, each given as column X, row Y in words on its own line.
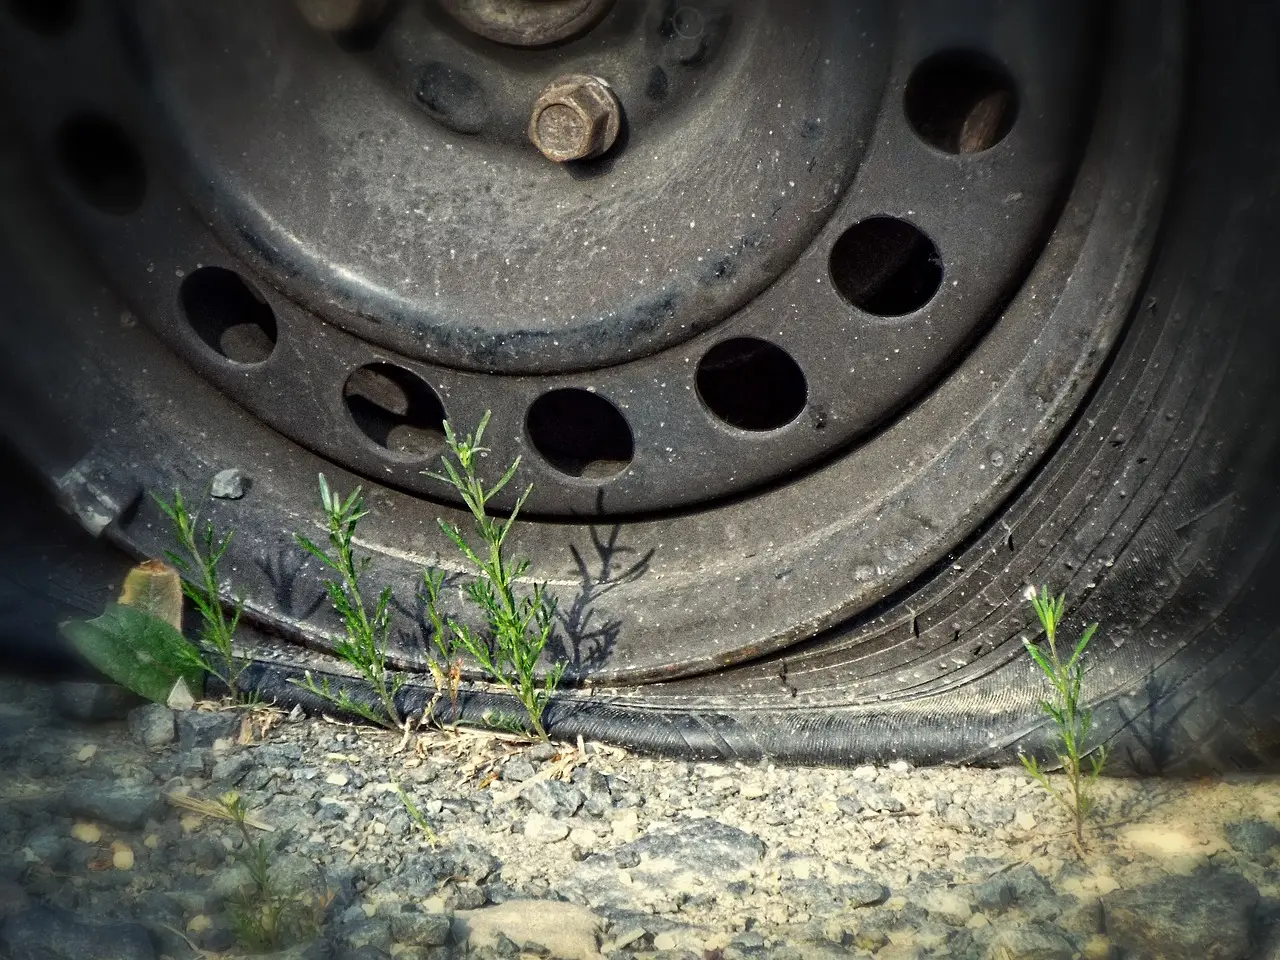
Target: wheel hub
column 712, row 305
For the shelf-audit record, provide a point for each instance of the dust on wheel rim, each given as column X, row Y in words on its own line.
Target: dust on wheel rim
column 803, row 550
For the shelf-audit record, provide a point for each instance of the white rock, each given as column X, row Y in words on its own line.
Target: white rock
column 543, row 829
column 627, row 826
column 567, row 930
column 180, row 697
column 948, row 907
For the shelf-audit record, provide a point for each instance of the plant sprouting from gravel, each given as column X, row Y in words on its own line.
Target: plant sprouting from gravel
column 518, row 626
column 266, row 915
column 1074, row 722
column 364, row 645
column 416, row 815
column 201, row 552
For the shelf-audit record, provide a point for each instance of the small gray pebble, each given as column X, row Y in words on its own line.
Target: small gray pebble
column 367, row 933
column 993, row 896
column 232, row 769
column 152, row 725
column 517, row 770
column 199, row 729
column 231, row 881
column 424, row 929
column 553, row 798
column 50, row 845
column 123, row 805
column 542, row 751
column 93, row 702
column 463, row 896
column 598, row 804
column 192, row 763
column 1254, row 838
column 228, row 484
column 50, row 932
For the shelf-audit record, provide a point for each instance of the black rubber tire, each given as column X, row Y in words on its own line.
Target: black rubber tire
column 1157, row 513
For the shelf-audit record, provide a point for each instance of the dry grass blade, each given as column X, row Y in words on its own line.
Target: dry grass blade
column 404, row 740
column 213, row 809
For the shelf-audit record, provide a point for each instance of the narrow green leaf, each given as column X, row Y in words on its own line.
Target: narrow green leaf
column 1038, row 657
column 1083, row 642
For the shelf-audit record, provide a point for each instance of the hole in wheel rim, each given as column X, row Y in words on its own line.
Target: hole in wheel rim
column 961, row 101
column 396, row 409
column 885, row 266
column 102, row 162
column 229, row 315
column 751, row 384
column 580, row 434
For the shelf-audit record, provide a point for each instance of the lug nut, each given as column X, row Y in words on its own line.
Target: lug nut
column 577, row 117
column 337, row 16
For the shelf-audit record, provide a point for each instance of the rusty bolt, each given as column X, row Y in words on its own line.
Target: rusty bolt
column 336, row 16
column 576, row 117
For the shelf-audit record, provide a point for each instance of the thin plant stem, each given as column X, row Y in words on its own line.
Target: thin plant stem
column 518, row 626
column 202, row 551
column 364, row 644
column 1074, row 722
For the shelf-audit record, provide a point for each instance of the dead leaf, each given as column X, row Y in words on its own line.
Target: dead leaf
column 154, row 587
column 210, row 808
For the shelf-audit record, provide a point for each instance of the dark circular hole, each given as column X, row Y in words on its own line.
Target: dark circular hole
column 50, row 17
column 751, row 384
column 395, row 409
column 580, row 434
column 885, row 266
column 229, row 315
column 103, row 163
column 453, row 97
column 961, row 101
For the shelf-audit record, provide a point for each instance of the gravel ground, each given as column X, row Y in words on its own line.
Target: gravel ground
column 572, row 850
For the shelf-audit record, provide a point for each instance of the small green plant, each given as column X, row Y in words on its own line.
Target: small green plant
column 518, row 627
column 202, row 551
column 266, row 915
column 365, row 644
column 417, row 816
column 1074, row 722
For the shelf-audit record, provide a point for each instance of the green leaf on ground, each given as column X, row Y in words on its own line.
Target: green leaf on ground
column 137, row 650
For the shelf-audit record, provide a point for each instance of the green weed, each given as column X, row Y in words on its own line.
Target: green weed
column 417, row 816
column 364, row 646
column 267, row 916
column 1074, row 722
column 202, row 551
column 518, row 627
